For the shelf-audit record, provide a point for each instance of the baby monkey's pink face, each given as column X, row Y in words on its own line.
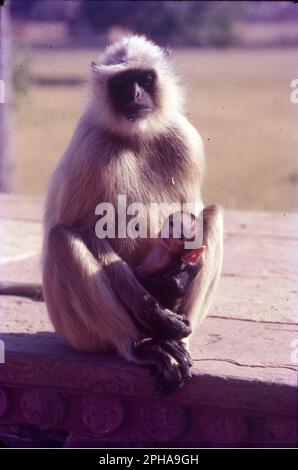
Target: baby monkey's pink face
column 182, row 226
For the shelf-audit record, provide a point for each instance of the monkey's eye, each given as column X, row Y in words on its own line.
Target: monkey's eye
column 146, row 81
column 119, row 80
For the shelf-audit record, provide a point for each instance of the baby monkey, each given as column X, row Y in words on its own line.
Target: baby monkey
column 171, row 255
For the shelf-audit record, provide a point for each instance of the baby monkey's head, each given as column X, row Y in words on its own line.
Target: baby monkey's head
column 181, row 235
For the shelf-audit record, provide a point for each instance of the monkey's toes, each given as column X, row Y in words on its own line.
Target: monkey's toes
column 167, row 380
column 178, row 350
column 170, row 363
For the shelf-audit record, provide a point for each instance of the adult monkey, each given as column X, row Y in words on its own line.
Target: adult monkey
column 133, row 139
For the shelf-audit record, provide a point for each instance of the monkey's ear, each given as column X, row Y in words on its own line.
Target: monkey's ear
column 107, row 70
column 95, row 67
column 167, row 52
column 193, row 256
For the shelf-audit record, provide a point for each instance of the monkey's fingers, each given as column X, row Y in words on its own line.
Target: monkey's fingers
column 169, row 325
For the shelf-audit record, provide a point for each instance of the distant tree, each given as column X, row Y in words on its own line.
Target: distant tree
column 49, row 10
column 179, row 23
column 191, row 23
column 22, row 8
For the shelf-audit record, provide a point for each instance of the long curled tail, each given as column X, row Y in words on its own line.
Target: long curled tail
column 32, row 290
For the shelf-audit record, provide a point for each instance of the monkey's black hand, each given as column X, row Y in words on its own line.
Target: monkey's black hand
column 179, row 279
column 172, row 285
column 170, row 361
column 172, row 326
column 157, row 321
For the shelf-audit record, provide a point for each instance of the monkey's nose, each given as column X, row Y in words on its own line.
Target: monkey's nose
column 137, row 92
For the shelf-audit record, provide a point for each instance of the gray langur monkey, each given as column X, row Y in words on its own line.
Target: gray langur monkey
column 133, row 139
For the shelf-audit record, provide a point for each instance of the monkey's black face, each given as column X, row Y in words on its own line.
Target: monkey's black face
column 133, row 93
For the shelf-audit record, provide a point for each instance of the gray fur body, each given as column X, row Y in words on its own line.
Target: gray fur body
column 92, row 295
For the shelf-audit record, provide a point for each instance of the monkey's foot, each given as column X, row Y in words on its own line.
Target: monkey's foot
column 170, row 363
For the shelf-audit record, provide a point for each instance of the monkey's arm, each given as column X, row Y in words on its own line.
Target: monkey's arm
column 173, row 285
column 145, row 309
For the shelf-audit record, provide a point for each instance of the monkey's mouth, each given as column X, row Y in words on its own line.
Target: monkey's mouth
column 135, row 111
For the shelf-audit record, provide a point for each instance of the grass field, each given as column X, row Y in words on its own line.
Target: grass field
column 239, row 100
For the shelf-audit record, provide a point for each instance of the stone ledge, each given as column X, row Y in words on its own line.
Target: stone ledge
column 100, row 398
